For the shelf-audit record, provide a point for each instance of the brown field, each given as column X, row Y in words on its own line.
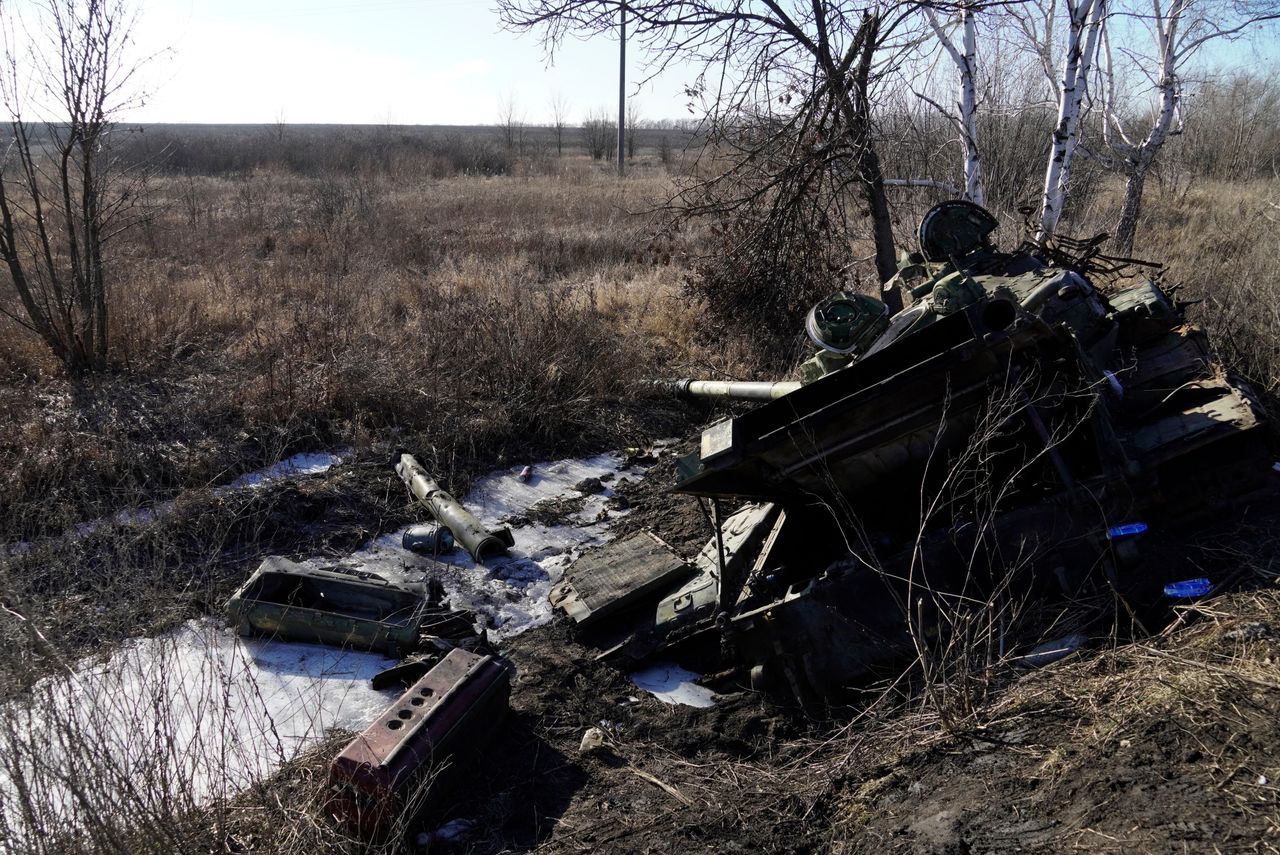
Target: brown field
column 487, row 320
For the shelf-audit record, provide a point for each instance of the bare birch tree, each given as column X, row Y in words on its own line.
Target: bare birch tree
column 511, row 121
column 1083, row 32
column 1064, row 38
column 63, row 198
column 559, row 120
column 1178, row 31
column 964, row 117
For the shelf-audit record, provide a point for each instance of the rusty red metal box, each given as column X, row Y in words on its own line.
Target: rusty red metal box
column 389, row 771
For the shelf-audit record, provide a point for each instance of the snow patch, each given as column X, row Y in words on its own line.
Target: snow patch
column 297, row 466
column 508, row 592
column 671, row 684
column 199, row 709
column 202, row 714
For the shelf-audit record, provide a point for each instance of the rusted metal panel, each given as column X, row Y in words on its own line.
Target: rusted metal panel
column 393, row 769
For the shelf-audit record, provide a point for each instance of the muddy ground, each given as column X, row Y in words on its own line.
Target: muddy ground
column 1147, row 748
column 1167, row 743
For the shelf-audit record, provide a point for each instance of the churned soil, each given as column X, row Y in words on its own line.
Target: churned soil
column 1164, row 743
column 651, row 504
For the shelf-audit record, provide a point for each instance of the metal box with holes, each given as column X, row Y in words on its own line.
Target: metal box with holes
column 393, row 770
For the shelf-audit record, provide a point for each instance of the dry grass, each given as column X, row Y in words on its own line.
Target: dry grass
column 1222, row 242
column 470, row 318
column 482, row 320
column 260, row 315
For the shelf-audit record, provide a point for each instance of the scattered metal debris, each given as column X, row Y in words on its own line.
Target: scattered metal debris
column 287, row 600
column 1014, row 429
column 1051, row 651
column 448, row 511
column 428, row 539
column 609, row 578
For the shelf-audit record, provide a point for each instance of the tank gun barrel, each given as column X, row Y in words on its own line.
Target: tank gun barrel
column 737, row 390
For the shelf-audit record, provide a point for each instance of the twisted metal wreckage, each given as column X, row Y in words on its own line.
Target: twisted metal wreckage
column 1012, row 433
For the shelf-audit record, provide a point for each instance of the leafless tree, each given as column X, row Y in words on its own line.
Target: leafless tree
column 1177, row 30
column 511, row 121
column 559, row 120
column 1236, row 132
column 964, row 116
column 63, row 196
column 598, row 133
column 786, row 87
column 280, row 127
column 1064, row 37
column 633, row 124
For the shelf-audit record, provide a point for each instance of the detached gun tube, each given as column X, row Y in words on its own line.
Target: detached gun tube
column 738, row 390
column 449, row 512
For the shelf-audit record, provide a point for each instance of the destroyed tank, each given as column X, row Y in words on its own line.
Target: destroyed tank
column 1018, row 430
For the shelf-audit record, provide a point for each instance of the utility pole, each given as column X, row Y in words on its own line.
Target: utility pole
column 622, row 88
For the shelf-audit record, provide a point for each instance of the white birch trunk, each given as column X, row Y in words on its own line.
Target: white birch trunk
column 1135, row 159
column 966, row 121
column 1084, row 25
column 973, row 190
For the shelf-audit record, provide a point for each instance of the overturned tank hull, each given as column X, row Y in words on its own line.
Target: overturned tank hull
column 1016, row 431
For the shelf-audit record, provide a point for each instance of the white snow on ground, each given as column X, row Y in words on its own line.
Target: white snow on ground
column 508, row 592
column 199, row 709
column 307, row 463
column 203, row 713
column 297, row 466
column 672, row 684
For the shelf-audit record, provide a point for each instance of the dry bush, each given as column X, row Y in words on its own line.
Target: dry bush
column 755, row 284
column 274, row 312
column 1219, row 243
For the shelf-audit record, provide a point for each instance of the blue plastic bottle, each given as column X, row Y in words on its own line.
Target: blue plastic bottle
column 1188, row 588
column 1132, row 529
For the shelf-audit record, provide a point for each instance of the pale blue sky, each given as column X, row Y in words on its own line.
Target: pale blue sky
column 399, row 62
column 378, row 61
